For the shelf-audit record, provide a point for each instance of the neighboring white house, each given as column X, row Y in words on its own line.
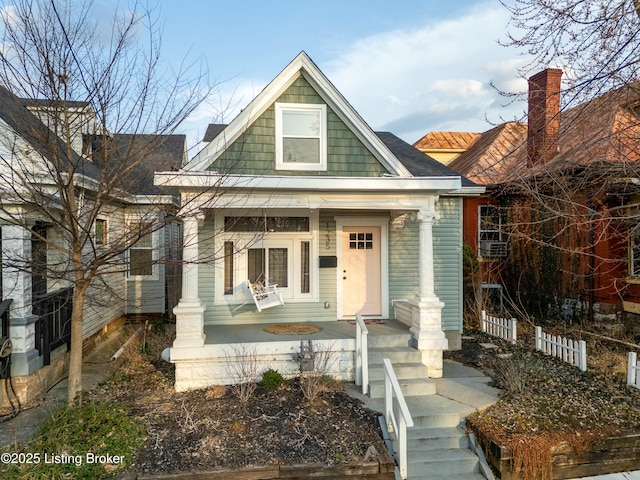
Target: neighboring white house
column 300, row 192
column 142, row 280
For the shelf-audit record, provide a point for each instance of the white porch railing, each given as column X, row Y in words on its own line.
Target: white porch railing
column 505, row 328
column 571, row 351
column 362, row 355
column 396, row 425
column 633, row 371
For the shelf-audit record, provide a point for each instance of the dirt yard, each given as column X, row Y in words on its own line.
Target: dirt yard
column 211, row 428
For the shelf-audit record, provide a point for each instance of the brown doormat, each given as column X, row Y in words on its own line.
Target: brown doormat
column 292, row 329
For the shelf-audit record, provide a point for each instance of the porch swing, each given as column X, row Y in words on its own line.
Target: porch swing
column 265, row 295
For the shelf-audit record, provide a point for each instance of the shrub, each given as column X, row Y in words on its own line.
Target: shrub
column 242, row 368
column 272, row 380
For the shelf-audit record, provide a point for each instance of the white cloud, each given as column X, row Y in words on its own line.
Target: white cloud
column 435, row 77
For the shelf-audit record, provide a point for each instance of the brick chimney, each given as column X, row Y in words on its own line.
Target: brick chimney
column 544, row 116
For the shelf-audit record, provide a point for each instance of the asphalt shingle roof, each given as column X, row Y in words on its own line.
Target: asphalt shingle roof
column 419, row 164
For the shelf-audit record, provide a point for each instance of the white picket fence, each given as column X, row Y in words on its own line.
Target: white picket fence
column 505, row 328
column 633, row 370
column 571, row 351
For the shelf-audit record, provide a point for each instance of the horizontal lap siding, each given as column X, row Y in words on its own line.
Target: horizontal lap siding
column 148, row 295
column 105, row 299
column 254, row 152
column 447, row 248
column 404, row 249
column 404, row 275
column 247, row 313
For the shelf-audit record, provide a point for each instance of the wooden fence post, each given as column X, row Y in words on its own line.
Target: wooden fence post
column 633, row 373
column 583, row 355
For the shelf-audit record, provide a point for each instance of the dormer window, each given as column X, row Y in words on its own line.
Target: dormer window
column 301, row 136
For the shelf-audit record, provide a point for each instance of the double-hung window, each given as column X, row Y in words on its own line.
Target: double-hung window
column 100, row 231
column 490, row 243
column 301, row 136
column 141, row 253
column 490, row 224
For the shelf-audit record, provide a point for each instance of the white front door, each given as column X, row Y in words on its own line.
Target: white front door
column 361, row 270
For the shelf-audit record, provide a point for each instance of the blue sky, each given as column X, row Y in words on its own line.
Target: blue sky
column 408, row 67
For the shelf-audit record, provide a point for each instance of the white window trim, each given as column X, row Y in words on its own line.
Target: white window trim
column 480, row 229
column 154, row 253
column 107, row 221
column 290, row 240
column 316, row 107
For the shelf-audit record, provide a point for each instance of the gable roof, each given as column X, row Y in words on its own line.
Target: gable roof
column 157, row 153
column 447, row 141
column 213, row 130
column 302, row 64
column 163, row 152
column 493, row 154
column 418, row 163
column 32, row 130
column 601, row 131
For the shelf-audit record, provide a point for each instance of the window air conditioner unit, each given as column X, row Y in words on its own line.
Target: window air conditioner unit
column 493, row 249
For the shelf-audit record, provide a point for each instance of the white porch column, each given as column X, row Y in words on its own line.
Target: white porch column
column 427, row 317
column 16, row 284
column 190, row 310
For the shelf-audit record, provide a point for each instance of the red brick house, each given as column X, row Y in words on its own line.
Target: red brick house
column 561, row 208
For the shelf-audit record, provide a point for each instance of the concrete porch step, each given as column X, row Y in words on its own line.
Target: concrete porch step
column 436, row 438
column 451, row 476
column 388, row 341
column 445, row 462
column 437, row 411
column 403, row 371
column 411, row 387
column 395, row 354
column 431, row 411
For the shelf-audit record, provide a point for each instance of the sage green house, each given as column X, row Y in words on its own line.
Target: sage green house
column 298, row 212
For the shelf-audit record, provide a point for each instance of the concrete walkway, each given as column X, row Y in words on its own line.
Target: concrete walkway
column 468, row 388
column 96, row 368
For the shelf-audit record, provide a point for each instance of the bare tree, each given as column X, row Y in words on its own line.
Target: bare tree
column 87, row 104
column 570, row 211
column 594, row 41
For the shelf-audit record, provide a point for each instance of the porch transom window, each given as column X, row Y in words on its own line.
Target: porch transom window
column 301, row 131
column 266, row 224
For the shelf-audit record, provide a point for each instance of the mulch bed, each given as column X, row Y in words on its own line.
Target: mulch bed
column 547, row 402
column 211, row 428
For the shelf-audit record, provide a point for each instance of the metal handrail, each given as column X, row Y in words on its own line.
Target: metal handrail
column 362, row 355
column 53, row 328
column 399, row 426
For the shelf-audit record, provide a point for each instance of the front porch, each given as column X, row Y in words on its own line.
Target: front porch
column 331, row 330
column 226, row 346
